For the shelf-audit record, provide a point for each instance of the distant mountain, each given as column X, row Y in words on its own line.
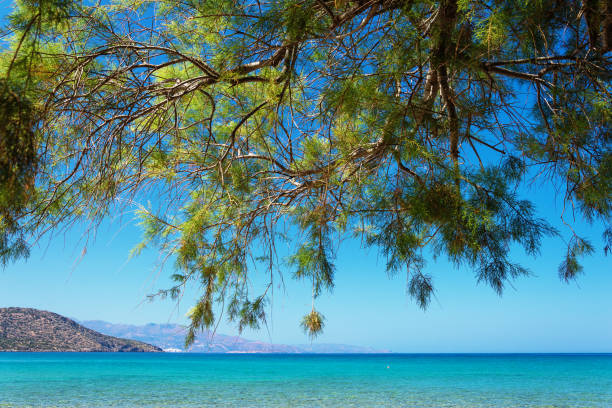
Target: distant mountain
column 171, row 337
column 24, row 329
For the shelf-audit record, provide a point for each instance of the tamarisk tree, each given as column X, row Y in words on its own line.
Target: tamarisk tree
column 411, row 125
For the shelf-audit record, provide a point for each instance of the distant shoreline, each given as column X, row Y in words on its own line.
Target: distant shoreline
column 260, row 353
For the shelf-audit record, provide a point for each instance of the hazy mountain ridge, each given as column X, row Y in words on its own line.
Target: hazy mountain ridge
column 24, row 329
column 172, row 337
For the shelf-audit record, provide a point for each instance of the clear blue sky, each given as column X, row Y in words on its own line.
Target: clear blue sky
column 538, row 314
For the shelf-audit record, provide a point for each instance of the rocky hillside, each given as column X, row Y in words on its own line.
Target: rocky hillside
column 24, row 329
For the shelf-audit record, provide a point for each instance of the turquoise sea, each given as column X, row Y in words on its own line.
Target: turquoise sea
column 247, row 380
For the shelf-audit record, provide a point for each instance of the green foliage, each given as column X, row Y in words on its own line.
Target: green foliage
column 570, row 267
column 421, row 289
column 248, row 313
column 607, row 235
column 18, row 165
column 18, row 152
column 21, row 69
column 313, row 324
column 411, row 126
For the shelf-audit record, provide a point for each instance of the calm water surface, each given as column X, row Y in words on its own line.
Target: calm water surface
column 204, row 380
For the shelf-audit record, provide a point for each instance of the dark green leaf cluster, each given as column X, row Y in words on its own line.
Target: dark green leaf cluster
column 570, row 267
column 18, row 163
